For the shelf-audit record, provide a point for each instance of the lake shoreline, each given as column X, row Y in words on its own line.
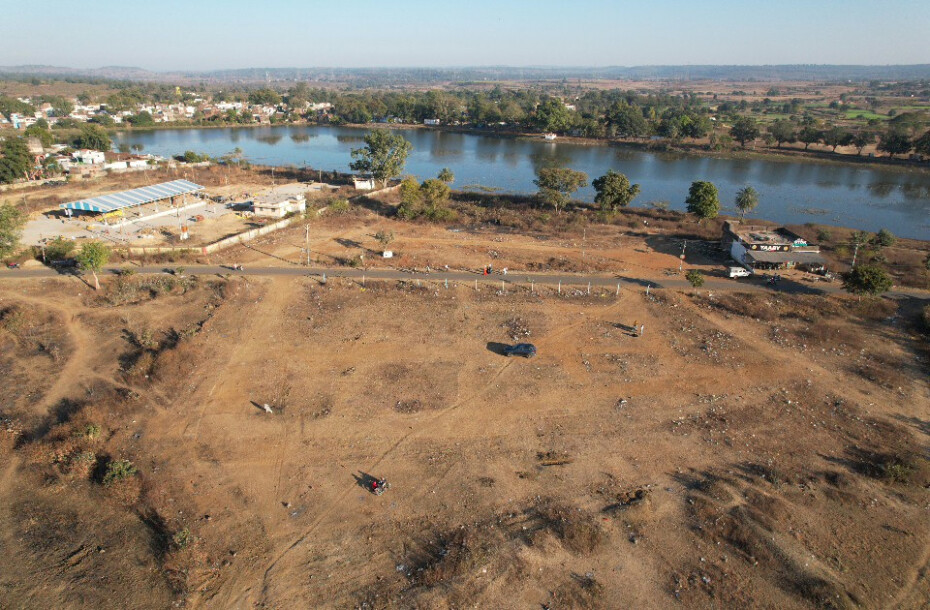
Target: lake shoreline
column 662, row 146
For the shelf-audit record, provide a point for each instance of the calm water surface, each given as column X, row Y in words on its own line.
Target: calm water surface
column 790, row 191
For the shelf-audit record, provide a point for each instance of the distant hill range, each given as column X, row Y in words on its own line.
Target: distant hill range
column 385, row 76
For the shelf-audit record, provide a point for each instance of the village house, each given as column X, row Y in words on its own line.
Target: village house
column 762, row 247
column 89, row 157
column 278, row 204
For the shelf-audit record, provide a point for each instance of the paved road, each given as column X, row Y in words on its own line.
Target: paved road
column 567, row 280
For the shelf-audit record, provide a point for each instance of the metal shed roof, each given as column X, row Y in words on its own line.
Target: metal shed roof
column 785, row 257
column 139, row 196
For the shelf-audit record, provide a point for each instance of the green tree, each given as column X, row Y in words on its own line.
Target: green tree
column 922, row 145
column 809, row 134
column 15, row 160
column 747, row 198
column 94, row 138
column 435, row 193
column 695, row 278
column 141, row 119
column 384, row 155
column 884, row 238
column 104, row 120
column 626, row 121
column 836, row 136
column 703, row 200
column 895, row 143
column 867, row 279
column 266, row 96
column 614, row 191
column 92, row 257
column 745, row 129
column 861, row 139
column 411, row 199
column 783, row 131
column 12, row 221
column 557, row 184
column 44, row 136
column 552, row 115
column 446, row 175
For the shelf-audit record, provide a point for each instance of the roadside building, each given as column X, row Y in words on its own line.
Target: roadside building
column 364, row 184
column 278, row 206
column 761, row 247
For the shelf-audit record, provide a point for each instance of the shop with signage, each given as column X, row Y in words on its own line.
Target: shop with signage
column 759, row 247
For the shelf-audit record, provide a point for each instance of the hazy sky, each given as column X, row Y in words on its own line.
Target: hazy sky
column 208, row 34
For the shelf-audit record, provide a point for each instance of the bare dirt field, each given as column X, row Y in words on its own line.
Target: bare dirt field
column 760, row 451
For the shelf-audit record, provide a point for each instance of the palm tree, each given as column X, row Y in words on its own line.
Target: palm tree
column 747, row 198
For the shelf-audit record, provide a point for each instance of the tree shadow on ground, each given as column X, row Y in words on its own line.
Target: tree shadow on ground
column 498, row 348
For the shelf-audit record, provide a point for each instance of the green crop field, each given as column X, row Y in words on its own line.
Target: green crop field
column 864, row 114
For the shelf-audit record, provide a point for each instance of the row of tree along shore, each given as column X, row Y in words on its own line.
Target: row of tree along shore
column 887, row 121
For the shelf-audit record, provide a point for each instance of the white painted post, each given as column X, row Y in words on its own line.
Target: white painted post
column 476, row 285
column 503, row 288
column 532, row 287
column 647, row 290
column 589, row 288
column 447, row 283
column 560, row 286
column 363, row 279
column 618, row 289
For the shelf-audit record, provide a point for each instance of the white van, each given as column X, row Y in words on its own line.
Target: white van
column 739, row 272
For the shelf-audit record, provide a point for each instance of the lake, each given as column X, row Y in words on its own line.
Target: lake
column 790, row 191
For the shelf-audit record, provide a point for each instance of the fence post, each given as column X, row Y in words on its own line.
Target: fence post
column 589, row 288
column 618, row 289
column 503, row 288
column 447, row 283
column 560, row 286
column 476, row 285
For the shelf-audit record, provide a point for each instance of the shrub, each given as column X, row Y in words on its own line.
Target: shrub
column 90, row 431
column 182, row 538
column 59, row 249
column 340, row 206
column 119, row 470
column 695, row 278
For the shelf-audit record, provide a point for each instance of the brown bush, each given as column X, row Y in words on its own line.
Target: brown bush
column 577, row 530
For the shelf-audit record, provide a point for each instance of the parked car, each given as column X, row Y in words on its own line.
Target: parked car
column 527, row 350
column 739, row 272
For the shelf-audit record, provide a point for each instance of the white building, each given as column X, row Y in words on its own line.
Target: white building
column 278, row 205
column 89, row 157
column 364, row 184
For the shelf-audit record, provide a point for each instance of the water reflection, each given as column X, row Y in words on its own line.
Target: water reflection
column 790, row 191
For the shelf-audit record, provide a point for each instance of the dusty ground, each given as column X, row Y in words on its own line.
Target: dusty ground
column 760, row 451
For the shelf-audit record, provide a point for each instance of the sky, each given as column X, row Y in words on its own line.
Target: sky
column 210, row 34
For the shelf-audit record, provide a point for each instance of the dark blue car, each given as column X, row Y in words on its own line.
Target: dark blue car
column 527, row 350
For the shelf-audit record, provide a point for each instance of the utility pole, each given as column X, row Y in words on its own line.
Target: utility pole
column 681, row 262
column 855, row 253
column 308, row 245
